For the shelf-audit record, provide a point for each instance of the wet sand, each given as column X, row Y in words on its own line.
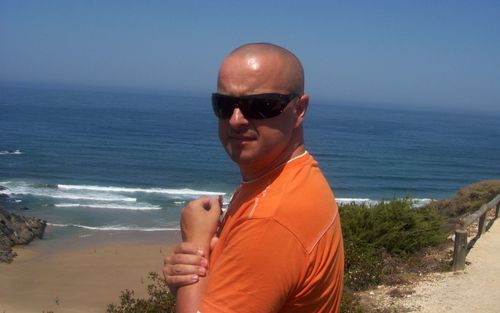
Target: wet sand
column 83, row 273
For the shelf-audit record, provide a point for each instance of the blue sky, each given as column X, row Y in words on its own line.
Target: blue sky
column 443, row 54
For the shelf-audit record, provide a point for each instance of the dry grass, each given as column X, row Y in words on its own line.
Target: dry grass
column 468, row 199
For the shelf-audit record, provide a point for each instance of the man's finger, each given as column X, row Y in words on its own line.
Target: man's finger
column 215, row 206
column 215, row 202
column 175, row 282
column 183, row 269
column 188, row 248
column 186, row 259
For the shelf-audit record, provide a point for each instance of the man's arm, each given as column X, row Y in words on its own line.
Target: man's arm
column 199, row 221
column 184, row 266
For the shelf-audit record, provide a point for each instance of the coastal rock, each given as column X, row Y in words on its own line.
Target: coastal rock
column 17, row 230
column 3, row 195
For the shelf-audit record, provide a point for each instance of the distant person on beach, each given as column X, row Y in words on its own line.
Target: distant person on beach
column 279, row 246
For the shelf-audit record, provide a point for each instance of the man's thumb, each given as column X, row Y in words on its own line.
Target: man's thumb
column 213, row 242
column 215, row 207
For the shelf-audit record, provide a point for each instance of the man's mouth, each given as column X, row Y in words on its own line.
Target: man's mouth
column 241, row 138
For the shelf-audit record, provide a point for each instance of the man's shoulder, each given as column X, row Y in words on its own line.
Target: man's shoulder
column 303, row 203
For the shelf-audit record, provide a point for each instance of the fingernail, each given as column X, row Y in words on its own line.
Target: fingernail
column 195, row 278
column 202, row 271
column 204, row 262
column 200, row 252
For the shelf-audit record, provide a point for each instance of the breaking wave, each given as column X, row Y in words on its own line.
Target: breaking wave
column 116, row 227
column 182, row 191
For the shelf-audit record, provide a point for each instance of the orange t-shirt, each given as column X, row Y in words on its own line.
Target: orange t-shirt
column 280, row 248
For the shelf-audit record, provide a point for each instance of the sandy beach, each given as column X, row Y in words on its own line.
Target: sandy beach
column 84, row 273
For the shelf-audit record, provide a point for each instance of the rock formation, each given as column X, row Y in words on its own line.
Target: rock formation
column 17, row 229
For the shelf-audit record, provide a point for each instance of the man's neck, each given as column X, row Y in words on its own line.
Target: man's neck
column 252, row 173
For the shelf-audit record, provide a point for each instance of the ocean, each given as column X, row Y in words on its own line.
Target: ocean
column 109, row 160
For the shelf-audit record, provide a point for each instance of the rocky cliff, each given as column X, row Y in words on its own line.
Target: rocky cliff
column 17, row 229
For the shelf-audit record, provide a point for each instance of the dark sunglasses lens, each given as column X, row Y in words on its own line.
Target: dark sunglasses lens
column 223, row 106
column 261, row 108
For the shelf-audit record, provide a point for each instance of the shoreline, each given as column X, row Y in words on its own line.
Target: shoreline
column 82, row 273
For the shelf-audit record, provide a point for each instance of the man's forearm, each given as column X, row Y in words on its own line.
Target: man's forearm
column 189, row 297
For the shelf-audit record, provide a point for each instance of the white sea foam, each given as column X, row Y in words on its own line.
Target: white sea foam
column 416, row 202
column 95, row 198
column 17, row 151
column 355, row 200
column 182, row 191
column 96, row 193
column 111, row 206
column 116, row 227
column 366, row 201
column 58, row 194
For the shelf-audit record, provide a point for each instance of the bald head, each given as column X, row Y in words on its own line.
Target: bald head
column 260, row 68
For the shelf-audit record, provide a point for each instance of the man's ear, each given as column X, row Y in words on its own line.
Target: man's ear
column 300, row 109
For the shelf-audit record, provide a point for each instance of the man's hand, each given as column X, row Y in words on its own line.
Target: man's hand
column 199, row 221
column 185, row 265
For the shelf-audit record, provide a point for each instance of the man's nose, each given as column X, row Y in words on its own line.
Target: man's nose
column 237, row 119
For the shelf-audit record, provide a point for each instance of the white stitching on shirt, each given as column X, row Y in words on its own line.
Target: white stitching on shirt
column 263, row 194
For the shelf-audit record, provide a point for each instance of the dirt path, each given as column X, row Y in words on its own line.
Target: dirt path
column 474, row 290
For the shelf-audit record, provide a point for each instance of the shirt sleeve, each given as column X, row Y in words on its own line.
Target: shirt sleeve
column 258, row 269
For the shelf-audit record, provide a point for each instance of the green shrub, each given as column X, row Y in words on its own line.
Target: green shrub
column 350, row 302
column 392, row 227
column 160, row 299
column 402, row 230
column 363, row 264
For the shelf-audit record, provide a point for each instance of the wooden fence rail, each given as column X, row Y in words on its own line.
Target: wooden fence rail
column 462, row 247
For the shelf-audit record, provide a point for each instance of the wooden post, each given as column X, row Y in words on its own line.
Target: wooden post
column 498, row 209
column 460, row 250
column 481, row 225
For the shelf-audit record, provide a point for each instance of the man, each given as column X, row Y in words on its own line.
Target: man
column 279, row 247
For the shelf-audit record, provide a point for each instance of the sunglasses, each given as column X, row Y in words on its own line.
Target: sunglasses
column 260, row 106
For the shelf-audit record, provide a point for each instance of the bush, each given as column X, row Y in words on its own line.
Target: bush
column 402, row 230
column 363, row 264
column 392, row 227
column 468, row 199
column 350, row 302
column 160, row 299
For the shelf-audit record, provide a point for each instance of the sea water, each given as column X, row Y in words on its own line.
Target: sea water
column 103, row 160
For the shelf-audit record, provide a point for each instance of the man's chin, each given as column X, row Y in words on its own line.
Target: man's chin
column 241, row 158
